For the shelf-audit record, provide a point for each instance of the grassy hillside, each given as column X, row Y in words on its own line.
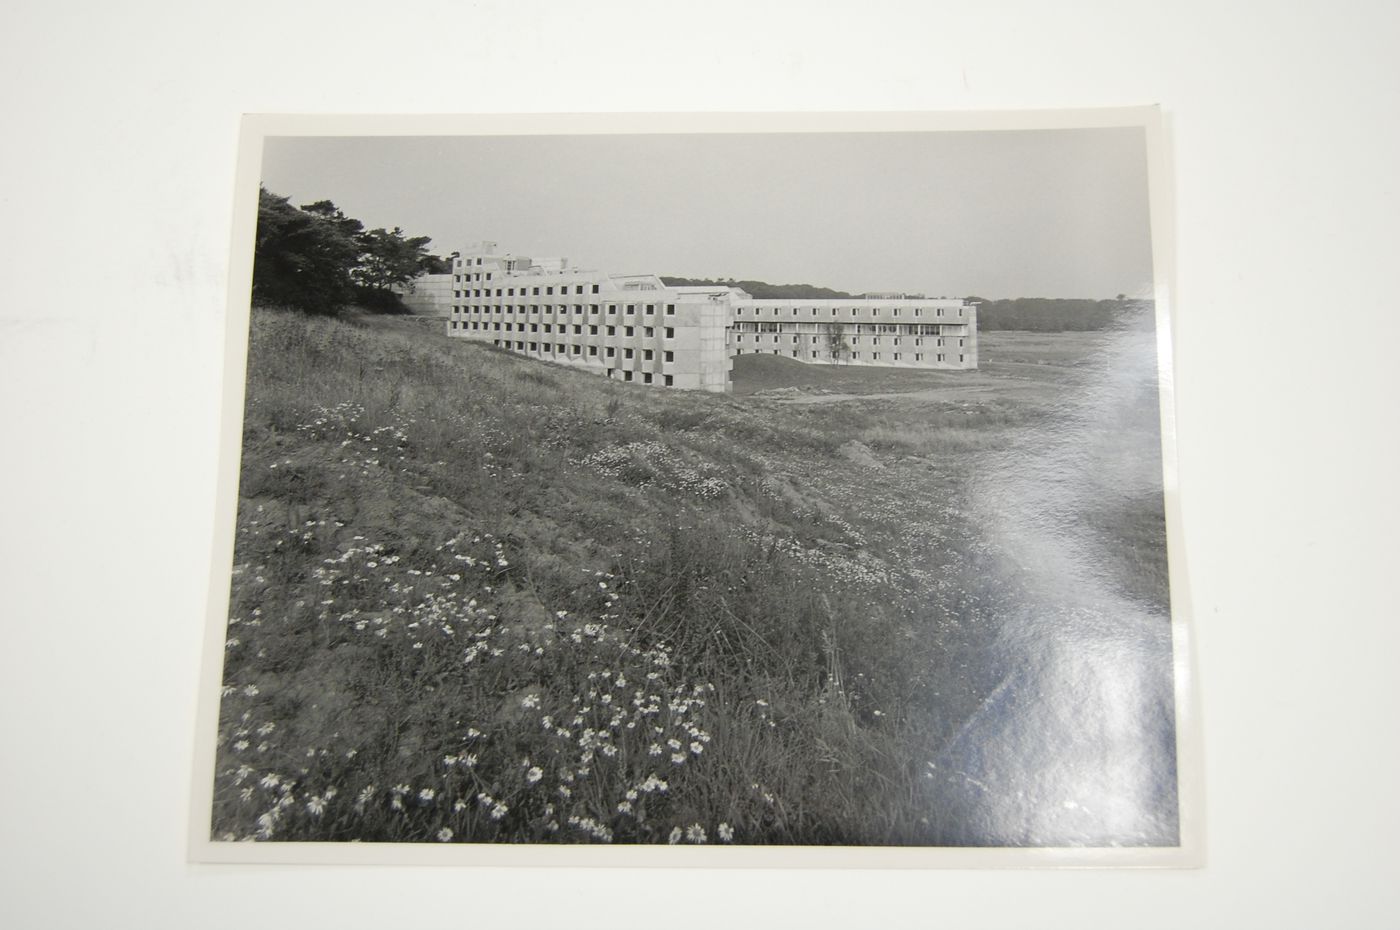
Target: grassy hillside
column 479, row 598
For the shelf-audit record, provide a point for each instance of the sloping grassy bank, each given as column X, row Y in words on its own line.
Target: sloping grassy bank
column 480, row 598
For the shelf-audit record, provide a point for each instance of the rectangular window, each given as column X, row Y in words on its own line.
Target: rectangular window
column 595, row 288
column 648, row 331
column 549, row 290
column 647, row 355
column 627, row 376
column 669, row 357
column 612, row 309
column 646, row 377
column 593, row 351
column 626, row 353
column 611, row 352
column 670, row 380
column 536, row 292
column 578, row 289
column 592, row 330
column 631, row 309
column 670, row 333
column 670, row 309
column 628, row 330
column 651, row 310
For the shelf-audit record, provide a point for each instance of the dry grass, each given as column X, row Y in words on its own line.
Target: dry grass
column 479, row 598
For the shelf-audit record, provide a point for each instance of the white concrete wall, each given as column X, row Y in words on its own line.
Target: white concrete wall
column 633, row 328
column 428, row 294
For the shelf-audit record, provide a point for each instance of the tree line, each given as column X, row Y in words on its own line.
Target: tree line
column 1059, row 315
column 317, row 259
column 762, row 290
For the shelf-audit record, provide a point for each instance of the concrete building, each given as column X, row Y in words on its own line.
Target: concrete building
column 635, row 328
column 428, row 294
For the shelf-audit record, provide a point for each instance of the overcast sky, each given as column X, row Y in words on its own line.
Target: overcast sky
column 1039, row 213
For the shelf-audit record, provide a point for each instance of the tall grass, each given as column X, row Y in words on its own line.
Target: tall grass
column 480, row 599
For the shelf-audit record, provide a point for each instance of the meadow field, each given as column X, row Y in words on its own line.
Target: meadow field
column 482, row 598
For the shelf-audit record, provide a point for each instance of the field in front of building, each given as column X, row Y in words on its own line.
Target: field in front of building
column 478, row 597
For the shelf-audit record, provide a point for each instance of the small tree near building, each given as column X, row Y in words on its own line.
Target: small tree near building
column 836, row 345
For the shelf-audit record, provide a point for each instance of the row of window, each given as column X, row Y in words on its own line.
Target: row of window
column 577, row 351
column 854, row 340
column 593, row 309
column 510, row 291
column 917, row 311
column 904, row 329
column 854, row 356
column 648, row 332
column 646, row 376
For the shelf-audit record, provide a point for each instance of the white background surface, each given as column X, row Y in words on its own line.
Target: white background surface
column 118, row 160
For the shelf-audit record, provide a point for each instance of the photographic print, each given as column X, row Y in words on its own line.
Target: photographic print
column 755, row 482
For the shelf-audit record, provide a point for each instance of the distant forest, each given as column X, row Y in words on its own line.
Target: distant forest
column 762, row 290
column 1058, row 315
column 1031, row 314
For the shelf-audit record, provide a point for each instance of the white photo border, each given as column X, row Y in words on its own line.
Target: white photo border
column 256, row 128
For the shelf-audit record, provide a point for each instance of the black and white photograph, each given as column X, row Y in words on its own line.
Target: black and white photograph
column 894, row 464
column 796, row 489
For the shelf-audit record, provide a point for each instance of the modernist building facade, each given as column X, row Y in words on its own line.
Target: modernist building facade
column 635, row 328
column 429, row 294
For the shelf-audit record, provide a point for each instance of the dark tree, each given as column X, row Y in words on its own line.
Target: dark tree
column 302, row 258
column 318, row 259
column 388, row 258
column 836, row 344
